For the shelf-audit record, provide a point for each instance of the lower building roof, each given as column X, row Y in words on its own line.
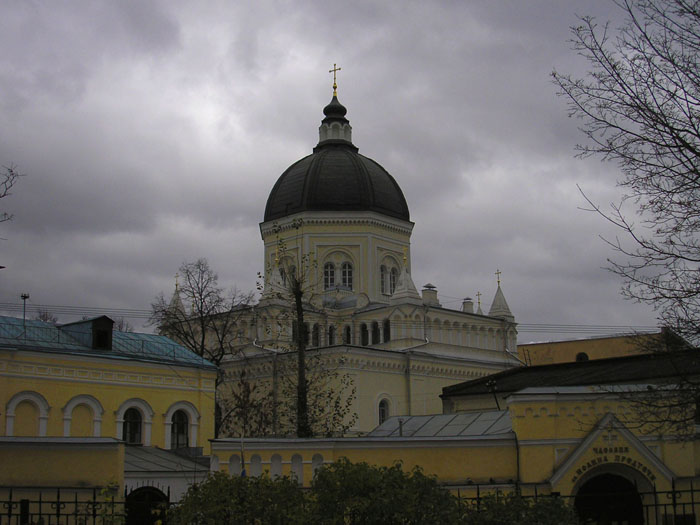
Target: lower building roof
column 661, row 367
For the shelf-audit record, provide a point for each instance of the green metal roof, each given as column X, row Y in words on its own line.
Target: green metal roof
column 41, row 336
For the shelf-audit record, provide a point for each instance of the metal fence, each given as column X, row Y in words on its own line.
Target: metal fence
column 655, row 507
column 79, row 507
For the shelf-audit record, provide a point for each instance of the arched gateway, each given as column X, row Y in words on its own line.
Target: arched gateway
column 609, row 499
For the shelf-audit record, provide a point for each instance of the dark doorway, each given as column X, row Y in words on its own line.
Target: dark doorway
column 145, row 506
column 609, row 499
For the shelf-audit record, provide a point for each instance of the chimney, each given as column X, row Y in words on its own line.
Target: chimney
column 468, row 305
column 430, row 296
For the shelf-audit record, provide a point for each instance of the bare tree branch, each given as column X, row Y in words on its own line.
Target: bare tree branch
column 8, row 179
column 639, row 106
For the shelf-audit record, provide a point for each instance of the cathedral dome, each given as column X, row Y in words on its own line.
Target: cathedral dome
column 335, row 177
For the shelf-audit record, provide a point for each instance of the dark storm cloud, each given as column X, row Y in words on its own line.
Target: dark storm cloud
column 152, row 133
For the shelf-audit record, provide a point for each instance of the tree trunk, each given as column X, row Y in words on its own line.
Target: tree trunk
column 303, row 427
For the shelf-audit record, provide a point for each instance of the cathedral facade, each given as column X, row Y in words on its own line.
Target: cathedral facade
column 338, row 223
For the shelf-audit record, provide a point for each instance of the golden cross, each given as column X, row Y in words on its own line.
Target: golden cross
column 177, row 279
column 335, row 86
column 498, row 276
column 478, row 298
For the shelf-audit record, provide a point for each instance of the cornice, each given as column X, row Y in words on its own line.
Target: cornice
column 260, row 366
column 321, row 444
column 332, row 219
column 82, row 374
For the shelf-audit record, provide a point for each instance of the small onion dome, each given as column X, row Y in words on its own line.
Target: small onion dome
column 334, row 109
column 335, row 177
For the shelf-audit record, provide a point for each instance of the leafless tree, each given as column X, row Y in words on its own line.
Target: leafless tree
column 46, row 315
column 201, row 315
column 639, row 106
column 322, row 395
column 123, row 325
column 8, row 179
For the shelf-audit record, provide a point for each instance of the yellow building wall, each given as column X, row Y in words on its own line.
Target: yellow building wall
column 460, row 464
column 376, row 376
column 562, row 440
column 45, row 464
column 59, row 379
column 595, row 348
column 552, row 430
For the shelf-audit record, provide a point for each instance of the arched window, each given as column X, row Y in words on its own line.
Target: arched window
column 393, row 279
column 255, row 466
column 179, row 429
column 234, row 465
column 316, row 463
column 298, row 469
column 286, row 273
column 383, row 411
column 328, row 275
column 315, row 335
column 331, row 335
column 347, row 335
column 581, row 357
column 387, row 330
column 131, row 430
column 382, row 279
column 364, row 334
column 276, row 466
column 347, row 275
column 375, row 333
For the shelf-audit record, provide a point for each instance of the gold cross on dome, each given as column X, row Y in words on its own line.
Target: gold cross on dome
column 335, row 86
column 498, row 276
column 177, row 281
column 478, row 298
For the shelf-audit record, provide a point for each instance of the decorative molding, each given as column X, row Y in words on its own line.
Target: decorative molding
column 146, row 414
column 87, row 375
column 37, row 400
column 192, row 422
column 95, row 407
column 326, row 219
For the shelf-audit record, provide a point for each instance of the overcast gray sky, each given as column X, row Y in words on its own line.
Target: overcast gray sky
column 152, row 132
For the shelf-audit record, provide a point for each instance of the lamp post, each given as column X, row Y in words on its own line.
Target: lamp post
column 24, row 298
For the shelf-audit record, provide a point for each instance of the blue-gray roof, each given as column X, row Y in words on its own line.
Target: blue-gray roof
column 41, row 336
column 468, row 424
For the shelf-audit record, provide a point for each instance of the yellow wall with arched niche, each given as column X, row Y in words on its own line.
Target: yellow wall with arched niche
column 110, row 382
column 493, row 460
column 562, row 441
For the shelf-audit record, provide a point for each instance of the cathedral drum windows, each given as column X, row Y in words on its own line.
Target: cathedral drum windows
column 347, row 275
column 388, row 276
column 338, row 272
column 328, row 276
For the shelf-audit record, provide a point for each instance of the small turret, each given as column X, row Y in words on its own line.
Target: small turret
column 499, row 306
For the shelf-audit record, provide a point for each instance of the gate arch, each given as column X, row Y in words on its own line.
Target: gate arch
column 608, row 497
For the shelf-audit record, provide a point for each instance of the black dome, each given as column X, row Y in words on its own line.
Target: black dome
column 335, row 177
